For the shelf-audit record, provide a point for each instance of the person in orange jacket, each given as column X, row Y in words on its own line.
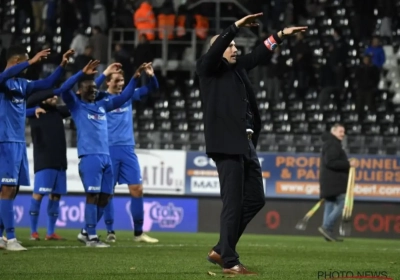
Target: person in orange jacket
column 145, row 21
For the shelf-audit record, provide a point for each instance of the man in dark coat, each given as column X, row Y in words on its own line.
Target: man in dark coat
column 232, row 126
column 334, row 173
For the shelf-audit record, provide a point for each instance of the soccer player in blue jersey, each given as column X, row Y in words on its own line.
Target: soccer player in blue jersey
column 49, row 156
column 95, row 169
column 122, row 151
column 13, row 159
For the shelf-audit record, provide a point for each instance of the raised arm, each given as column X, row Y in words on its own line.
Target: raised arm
column 127, row 93
column 144, row 90
column 69, row 84
column 118, row 101
column 210, row 61
column 13, row 71
column 18, row 68
column 251, row 60
column 111, row 69
column 100, row 80
column 51, row 80
column 34, row 99
column 70, row 98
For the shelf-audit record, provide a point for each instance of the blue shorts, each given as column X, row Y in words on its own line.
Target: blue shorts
column 125, row 165
column 14, row 169
column 96, row 174
column 49, row 181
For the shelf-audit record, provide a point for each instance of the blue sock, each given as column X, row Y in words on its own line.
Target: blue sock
column 52, row 215
column 34, row 214
column 137, row 214
column 100, row 212
column 91, row 218
column 109, row 216
column 1, row 224
column 7, row 214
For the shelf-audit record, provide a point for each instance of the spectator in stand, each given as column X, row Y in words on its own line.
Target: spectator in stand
column 143, row 52
column 99, row 43
column 69, row 22
column 364, row 18
column 79, row 42
column 37, row 8
column 329, row 77
column 367, row 79
column 376, row 51
column 302, row 66
column 22, row 13
column 387, row 9
column 275, row 74
column 123, row 57
column 145, row 21
column 98, row 16
column 49, row 16
column 83, row 59
column 339, row 56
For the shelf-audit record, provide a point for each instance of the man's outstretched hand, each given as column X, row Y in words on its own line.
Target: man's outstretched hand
column 292, row 30
column 248, row 21
column 90, row 68
column 66, row 56
column 39, row 56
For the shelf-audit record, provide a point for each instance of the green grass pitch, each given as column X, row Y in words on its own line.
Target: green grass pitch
column 183, row 256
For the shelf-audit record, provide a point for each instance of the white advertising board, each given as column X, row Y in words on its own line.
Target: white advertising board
column 163, row 172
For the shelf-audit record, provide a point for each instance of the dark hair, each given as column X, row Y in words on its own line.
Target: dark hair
column 109, row 77
column 18, row 50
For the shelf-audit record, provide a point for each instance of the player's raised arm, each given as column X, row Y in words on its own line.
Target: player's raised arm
column 111, row 69
column 144, row 90
column 127, row 93
column 51, row 80
column 69, row 97
column 17, row 68
column 251, row 60
column 210, row 61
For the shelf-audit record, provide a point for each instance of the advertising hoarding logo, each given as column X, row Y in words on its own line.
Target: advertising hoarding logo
column 166, row 216
column 160, row 214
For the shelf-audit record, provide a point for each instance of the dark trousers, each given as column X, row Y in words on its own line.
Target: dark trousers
column 242, row 194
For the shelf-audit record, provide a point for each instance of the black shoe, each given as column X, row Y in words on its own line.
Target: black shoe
column 326, row 234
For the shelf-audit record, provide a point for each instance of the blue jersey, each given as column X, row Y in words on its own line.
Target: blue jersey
column 13, row 94
column 120, row 120
column 91, row 119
